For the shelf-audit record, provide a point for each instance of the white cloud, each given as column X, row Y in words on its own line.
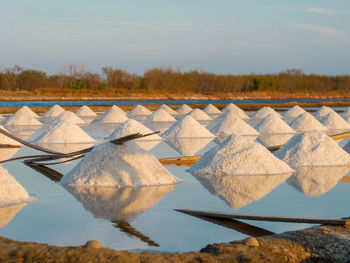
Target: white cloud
column 318, row 29
column 325, row 11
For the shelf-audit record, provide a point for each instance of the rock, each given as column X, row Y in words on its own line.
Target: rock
column 251, row 242
column 93, row 244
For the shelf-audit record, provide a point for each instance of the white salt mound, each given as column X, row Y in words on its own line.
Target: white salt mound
column 313, row 148
column 293, row 112
column 130, row 127
column 239, row 156
column 306, row 122
column 237, row 111
column 323, row 111
column 199, row 115
column 184, row 109
column 115, row 108
column 85, row 111
column 264, row 112
column 11, row 192
column 125, row 165
column 6, row 140
column 230, row 106
column 187, row 127
column 211, row 109
column 28, row 111
column 333, row 121
column 140, row 110
column 113, row 115
column 273, row 124
column 22, row 117
column 53, row 112
column 160, row 115
column 68, row 116
column 64, row 132
column 168, row 109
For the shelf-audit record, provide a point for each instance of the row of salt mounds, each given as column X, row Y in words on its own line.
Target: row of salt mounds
column 24, row 116
column 322, row 112
column 11, row 192
column 168, row 109
column 187, row 127
column 313, row 148
column 233, row 108
column 113, row 115
column 184, row 109
column 53, row 112
column 293, row 112
column 211, row 109
column 85, row 111
column 160, row 115
column 333, row 121
column 232, row 124
column 239, row 156
column 264, row 112
column 306, row 122
column 272, row 124
column 6, row 140
column 68, row 116
column 199, row 115
column 125, row 165
column 140, row 110
column 63, row 131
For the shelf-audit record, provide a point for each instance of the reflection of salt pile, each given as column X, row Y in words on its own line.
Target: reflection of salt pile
column 8, row 213
column 168, row 109
column 23, row 116
column 119, row 166
column 188, row 146
column 317, row 180
column 53, row 112
column 199, row 115
column 274, row 139
column 211, row 109
column 63, row 132
column 240, row 190
column 239, row 156
column 264, row 112
column 237, row 111
column 323, row 111
column 160, row 115
column 333, row 121
column 11, row 192
column 119, row 204
column 313, row 148
column 233, row 125
column 68, row 116
column 184, row 109
column 306, row 122
column 113, row 115
column 6, row 140
column 273, row 124
column 293, row 112
column 187, row 127
column 7, row 153
column 139, row 110
column 85, row 111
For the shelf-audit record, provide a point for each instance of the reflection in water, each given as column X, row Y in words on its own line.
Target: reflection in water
column 188, row 146
column 7, row 153
column 8, row 213
column 317, row 180
column 240, row 190
column 147, row 144
column 274, row 139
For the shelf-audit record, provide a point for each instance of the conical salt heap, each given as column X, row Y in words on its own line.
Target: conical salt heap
column 64, row 132
column 333, row 121
column 160, row 115
column 273, row 124
column 237, row 111
column 239, row 156
column 184, row 109
column 306, row 122
column 211, row 109
column 28, row 111
column 22, row 117
column 313, row 148
column 140, row 110
column 85, row 111
column 323, row 111
column 113, row 115
column 6, row 140
column 11, row 192
column 168, row 109
column 68, row 116
column 53, row 112
column 187, row 127
column 264, row 112
column 293, row 112
column 199, row 115
column 125, row 165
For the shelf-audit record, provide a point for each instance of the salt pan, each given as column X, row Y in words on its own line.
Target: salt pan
column 211, row 109
column 139, row 110
column 293, row 112
column 264, row 112
column 199, row 115
column 85, row 111
column 184, row 109
column 6, row 140
column 68, row 116
column 306, row 122
column 53, row 112
column 333, row 121
column 273, row 124
column 323, row 111
column 168, row 109
column 160, row 115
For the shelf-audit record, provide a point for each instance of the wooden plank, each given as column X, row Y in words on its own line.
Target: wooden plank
column 9, row 146
column 345, row 179
column 182, row 161
column 322, row 221
column 341, row 136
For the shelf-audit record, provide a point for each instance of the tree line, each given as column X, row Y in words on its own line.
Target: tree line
column 168, row 80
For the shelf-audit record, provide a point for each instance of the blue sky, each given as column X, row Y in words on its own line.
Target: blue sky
column 226, row 36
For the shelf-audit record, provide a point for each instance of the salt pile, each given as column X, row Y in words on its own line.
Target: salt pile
column 187, row 127
column 239, row 156
column 184, row 109
column 199, row 115
column 113, row 115
column 63, row 132
column 139, row 110
column 307, row 122
column 115, row 108
column 6, row 140
column 8, row 213
column 323, row 111
column 11, row 192
column 22, row 117
column 28, row 111
column 313, row 148
column 237, row 111
column 85, row 111
column 211, row 109
column 160, row 115
column 168, row 109
column 188, row 146
column 333, row 121
column 230, row 107
column 264, row 112
column 125, row 165
column 68, row 116
column 273, row 124
column 293, row 112
column 53, row 112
